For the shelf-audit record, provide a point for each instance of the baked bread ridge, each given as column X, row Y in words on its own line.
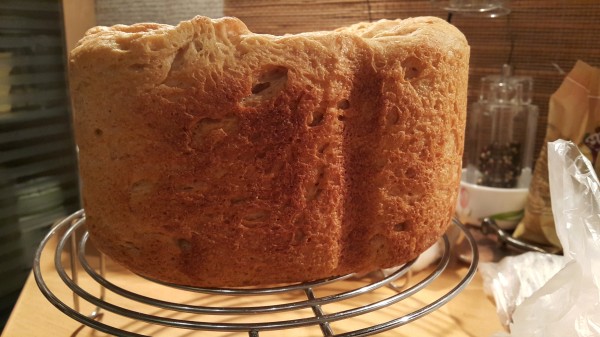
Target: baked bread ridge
column 213, row 156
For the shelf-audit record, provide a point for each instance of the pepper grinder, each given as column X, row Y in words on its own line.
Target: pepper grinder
column 501, row 132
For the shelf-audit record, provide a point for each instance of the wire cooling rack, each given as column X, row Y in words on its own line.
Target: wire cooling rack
column 71, row 234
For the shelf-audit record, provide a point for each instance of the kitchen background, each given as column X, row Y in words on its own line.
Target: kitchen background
column 38, row 170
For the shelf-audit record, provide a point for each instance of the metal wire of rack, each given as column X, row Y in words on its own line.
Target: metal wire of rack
column 66, row 232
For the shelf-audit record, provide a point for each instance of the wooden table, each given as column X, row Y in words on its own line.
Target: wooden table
column 471, row 313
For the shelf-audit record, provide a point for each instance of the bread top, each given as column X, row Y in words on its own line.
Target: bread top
column 152, row 53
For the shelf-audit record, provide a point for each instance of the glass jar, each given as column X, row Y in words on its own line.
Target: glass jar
column 501, row 132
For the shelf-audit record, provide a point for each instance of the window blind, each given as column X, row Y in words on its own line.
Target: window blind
column 38, row 179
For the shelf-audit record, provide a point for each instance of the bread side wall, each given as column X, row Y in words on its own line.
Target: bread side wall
column 213, row 156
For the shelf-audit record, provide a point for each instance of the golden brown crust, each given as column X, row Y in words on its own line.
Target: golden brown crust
column 213, row 156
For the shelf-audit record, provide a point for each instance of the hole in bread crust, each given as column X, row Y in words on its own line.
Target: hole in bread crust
column 195, row 188
column 298, row 237
column 129, row 248
column 343, row 104
column 207, row 124
column 184, row 245
column 137, row 67
column 238, row 199
column 261, row 155
column 412, row 68
column 177, row 64
column 314, row 188
column 256, row 215
column 141, row 187
column 259, row 87
column 208, row 132
column 212, row 58
column 123, row 43
column 198, row 45
column 393, row 116
column 315, row 118
column 270, row 81
column 313, row 192
column 155, row 44
column 323, row 147
column 98, row 132
column 255, row 218
column 179, row 59
column 410, row 173
column 401, row 227
column 139, row 192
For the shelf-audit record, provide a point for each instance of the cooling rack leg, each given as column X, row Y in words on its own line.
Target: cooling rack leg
column 102, row 262
column 102, row 273
column 407, row 277
column 74, row 275
column 325, row 328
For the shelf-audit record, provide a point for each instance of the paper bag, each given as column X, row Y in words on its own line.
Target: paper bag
column 574, row 114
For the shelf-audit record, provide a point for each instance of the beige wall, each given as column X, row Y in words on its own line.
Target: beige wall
column 79, row 16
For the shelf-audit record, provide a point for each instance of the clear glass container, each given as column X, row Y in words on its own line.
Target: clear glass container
column 486, row 8
column 501, row 133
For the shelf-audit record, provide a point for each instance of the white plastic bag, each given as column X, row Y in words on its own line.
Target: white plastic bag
column 515, row 278
column 568, row 304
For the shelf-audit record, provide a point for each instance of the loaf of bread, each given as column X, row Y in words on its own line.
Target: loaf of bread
column 213, row 156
